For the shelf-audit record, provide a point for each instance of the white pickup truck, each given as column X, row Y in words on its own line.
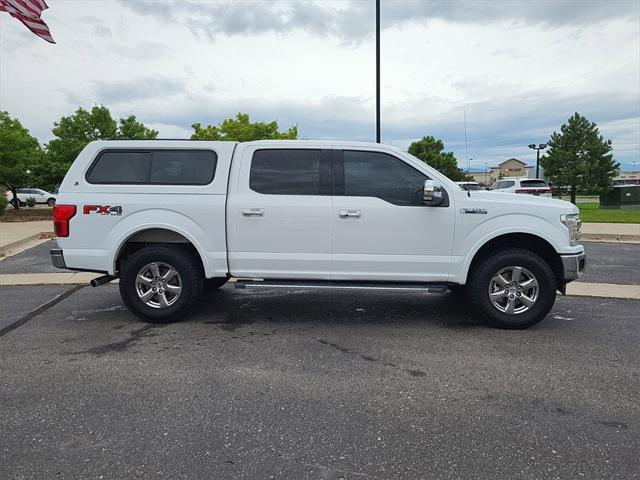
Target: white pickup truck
column 172, row 218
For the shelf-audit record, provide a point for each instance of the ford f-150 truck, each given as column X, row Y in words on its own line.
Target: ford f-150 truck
column 174, row 218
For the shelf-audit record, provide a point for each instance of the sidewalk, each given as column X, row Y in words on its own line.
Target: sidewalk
column 617, row 232
column 14, row 234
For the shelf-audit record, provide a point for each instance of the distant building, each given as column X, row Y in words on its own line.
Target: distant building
column 509, row 168
column 627, row 178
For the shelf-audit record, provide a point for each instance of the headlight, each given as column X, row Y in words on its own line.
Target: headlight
column 573, row 224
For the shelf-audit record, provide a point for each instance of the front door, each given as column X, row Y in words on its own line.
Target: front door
column 281, row 225
column 381, row 228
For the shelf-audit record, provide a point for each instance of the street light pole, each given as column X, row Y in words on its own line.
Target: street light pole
column 542, row 146
column 377, row 71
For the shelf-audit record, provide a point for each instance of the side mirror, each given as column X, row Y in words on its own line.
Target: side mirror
column 433, row 195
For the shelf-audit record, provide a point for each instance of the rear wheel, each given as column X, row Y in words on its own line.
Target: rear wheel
column 513, row 288
column 160, row 283
column 51, row 202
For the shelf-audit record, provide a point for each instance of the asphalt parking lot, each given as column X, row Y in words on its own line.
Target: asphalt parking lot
column 319, row 385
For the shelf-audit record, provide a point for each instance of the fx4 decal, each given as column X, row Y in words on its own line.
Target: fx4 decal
column 102, row 210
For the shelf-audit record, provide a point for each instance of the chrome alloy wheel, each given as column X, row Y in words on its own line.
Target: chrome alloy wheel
column 513, row 290
column 158, row 285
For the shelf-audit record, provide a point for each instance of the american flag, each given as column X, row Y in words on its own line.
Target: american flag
column 28, row 12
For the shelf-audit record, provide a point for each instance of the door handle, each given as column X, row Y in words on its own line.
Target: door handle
column 253, row 212
column 349, row 213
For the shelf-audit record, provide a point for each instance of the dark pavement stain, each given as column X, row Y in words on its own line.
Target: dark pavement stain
column 348, row 351
column 121, row 346
column 618, row 425
column 336, row 346
column 562, row 411
column 230, row 327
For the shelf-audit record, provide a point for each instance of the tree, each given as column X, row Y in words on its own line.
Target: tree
column 430, row 151
column 131, row 129
column 580, row 158
column 74, row 132
column 241, row 129
column 19, row 153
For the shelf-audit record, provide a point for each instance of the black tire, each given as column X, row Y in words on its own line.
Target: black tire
column 51, row 202
column 481, row 279
column 13, row 202
column 213, row 284
column 183, row 261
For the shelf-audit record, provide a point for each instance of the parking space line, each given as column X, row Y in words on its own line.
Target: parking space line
column 42, row 308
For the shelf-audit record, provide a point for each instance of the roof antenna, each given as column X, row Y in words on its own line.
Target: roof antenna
column 466, row 148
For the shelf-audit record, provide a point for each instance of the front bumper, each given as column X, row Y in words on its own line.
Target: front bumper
column 57, row 258
column 573, row 265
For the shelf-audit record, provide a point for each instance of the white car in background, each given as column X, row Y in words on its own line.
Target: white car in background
column 41, row 196
column 530, row 186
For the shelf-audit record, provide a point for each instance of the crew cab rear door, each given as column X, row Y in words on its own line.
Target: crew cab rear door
column 381, row 228
column 279, row 212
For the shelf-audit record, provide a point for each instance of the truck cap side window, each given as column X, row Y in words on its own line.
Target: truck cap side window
column 287, row 171
column 195, row 167
column 153, row 167
column 380, row 175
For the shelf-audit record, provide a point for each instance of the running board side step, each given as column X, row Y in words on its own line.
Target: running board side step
column 343, row 285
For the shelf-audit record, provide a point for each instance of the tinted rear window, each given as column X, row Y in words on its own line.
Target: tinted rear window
column 533, row 184
column 121, row 167
column 183, row 166
column 286, row 172
column 154, row 167
column 503, row 184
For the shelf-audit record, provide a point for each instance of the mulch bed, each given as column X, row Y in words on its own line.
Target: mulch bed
column 26, row 214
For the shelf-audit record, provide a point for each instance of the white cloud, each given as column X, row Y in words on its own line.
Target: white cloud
column 519, row 69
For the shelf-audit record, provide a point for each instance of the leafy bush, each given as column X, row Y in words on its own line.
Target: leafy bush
column 31, row 202
column 3, row 203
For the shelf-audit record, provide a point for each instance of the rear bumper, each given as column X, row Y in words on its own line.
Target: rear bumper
column 573, row 265
column 57, row 258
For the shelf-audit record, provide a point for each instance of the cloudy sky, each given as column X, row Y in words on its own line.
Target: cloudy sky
column 517, row 68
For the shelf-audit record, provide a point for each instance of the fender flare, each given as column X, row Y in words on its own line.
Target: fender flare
column 125, row 236
column 464, row 271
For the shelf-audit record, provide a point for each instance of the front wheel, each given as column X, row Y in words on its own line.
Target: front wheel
column 514, row 288
column 160, row 283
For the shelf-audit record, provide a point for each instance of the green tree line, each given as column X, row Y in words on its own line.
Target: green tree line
column 579, row 158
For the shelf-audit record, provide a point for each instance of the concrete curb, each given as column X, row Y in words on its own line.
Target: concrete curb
column 17, row 243
column 63, row 278
column 603, row 290
column 610, row 237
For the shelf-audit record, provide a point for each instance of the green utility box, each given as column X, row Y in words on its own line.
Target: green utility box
column 621, row 197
